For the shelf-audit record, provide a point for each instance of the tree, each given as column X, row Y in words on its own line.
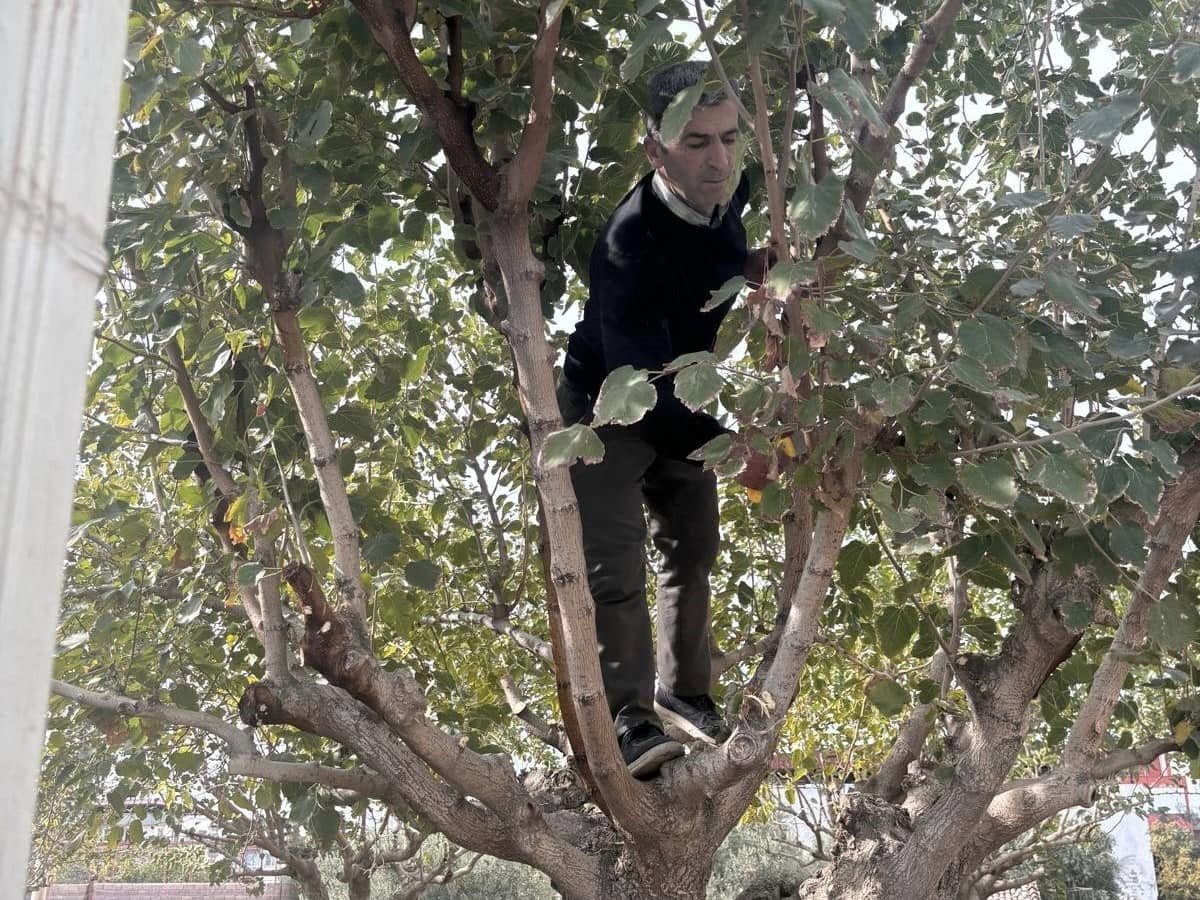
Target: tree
column 1175, row 862
column 977, row 344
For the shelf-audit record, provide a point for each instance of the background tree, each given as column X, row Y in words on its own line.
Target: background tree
column 979, row 344
column 1176, row 862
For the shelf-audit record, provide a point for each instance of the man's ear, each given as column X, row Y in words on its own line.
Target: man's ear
column 654, row 151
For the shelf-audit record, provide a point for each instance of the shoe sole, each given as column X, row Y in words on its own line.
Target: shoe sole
column 651, row 761
column 682, row 724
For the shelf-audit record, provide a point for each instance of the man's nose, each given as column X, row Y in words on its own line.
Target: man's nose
column 719, row 155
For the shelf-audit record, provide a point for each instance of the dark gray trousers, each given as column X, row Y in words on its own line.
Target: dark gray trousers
column 681, row 499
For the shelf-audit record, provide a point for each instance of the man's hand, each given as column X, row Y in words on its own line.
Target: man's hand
column 758, row 264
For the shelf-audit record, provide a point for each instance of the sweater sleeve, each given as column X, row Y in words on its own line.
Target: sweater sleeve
column 633, row 331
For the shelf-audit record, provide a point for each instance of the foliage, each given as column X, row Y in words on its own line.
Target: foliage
column 1089, row 864
column 1176, row 862
column 757, row 857
column 148, row 863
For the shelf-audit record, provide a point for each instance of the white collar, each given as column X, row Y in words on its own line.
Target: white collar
column 681, row 208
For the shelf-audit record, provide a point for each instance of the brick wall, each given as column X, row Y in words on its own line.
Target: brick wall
column 273, row 890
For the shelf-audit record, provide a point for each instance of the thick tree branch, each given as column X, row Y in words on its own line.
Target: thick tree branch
column 519, row 832
column 449, row 120
column 999, row 689
column 534, row 724
column 205, row 439
column 766, row 147
column 522, row 639
column 362, row 782
column 310, row 10
column 873, row 146
column 1178, row 512
column 519, row 177
column 323, row 453
column 571, row 608
column 239, row 742
column 807, row 601
column 1022, row 804
column 723, row 662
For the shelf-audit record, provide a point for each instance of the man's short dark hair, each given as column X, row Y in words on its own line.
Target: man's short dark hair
column 665, row 83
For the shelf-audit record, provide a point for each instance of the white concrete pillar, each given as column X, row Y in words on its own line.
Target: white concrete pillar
column 60, row 77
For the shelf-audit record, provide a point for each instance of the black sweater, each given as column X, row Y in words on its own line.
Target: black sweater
column 651, row 273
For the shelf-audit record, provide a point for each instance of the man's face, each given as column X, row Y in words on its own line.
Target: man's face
column 698, row 163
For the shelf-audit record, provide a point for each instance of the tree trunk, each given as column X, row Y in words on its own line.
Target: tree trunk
column 61, row 73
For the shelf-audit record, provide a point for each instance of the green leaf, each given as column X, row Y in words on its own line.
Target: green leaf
column 423, row 574
column 631, row 66
column 724, row 292
column 249, row 573
column 192, row 608
column 1112, row 480
column 698, row 385
column 860, row 246
column 190, row 56
column 379, row 548
column 1071, row 295
column 972, row 374
column 859, row 23
column 853, row 90
column 701, row 357
column 1128, row 541
column 764, row 23
column 992, row 481
column 815, row 207
column 1144, row 488
column 347, row 287
column 886, row 695
column 679, row 112
column 383, row 223
column 1022, row 199
column 625, row 396
column 1066, row 475
column 784, row 276
column 990, row 341
column 830, row 12
column 713, row 451
column 316, row 125
column 301, row 30
column 325, row 823
column 855, row 561
column 1071, row 226
column 894, row 396
column 1172, row 623
column 554, row 9
column 895, row 627
column 563, row 447
column 1103, row 122
column 1187, row 62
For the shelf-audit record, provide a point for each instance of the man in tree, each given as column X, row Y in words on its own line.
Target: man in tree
column 673, row 240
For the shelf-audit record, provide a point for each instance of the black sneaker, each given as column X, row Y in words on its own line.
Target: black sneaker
column 694, row 716
column 645, row 748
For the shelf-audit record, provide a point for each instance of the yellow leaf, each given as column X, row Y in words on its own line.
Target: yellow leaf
column 1183, row 731
column 1132, row 386
column 755, row 496
column 236, row 514
column 149, row 46
column 787, row 446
